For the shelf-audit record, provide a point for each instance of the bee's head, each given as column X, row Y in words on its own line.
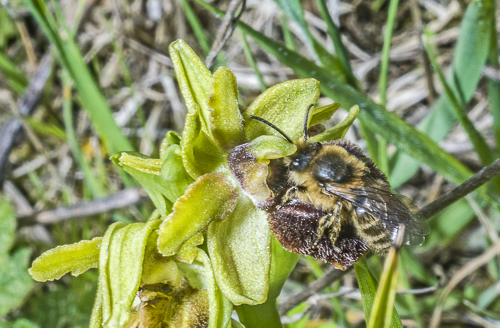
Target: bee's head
column 303, row 156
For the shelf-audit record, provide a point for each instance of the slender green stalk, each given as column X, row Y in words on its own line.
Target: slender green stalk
column 95, row 187
column 90, row 95
column 287, row 34
column 196, row 25
column 475, row 137
column 383, row 161
column 340, row 49
column 262, row 315
column 252, row 63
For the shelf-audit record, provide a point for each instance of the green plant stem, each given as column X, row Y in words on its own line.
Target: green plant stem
column 258, row 316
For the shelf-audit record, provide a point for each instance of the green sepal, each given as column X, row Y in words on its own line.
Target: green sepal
column 75, row 258
column 120, row 271
column 282, row 264
column 211, row 197
column 164, row 180
column 339, row 130
column 240, row 250
column 226, row 121
column 200, row 154
column 195, row 80
column 284, row 105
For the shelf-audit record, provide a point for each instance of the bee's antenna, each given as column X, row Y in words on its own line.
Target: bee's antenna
column 307, row 121
column 273, row 126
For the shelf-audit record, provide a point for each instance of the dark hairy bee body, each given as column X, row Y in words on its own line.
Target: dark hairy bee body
column 329, row 201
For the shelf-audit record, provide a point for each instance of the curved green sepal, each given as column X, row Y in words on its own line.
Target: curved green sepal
column 211, row 197
column 171, row 138
column 226, row 121
column 195, row 80
column 339, row 130
column 285, row 106
column 200, row 275
column 75, row 258
column 240, row 250
column 120, row 271
column 164, row 180
column 200, row 154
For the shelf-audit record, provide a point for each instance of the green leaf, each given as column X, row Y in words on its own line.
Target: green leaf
column 75, row 258
column 15, row 282
column 211, row 197
column 282, row 264
column 13, row 75
column 339, row 130
column 368, row 288
column 226, row 121
column 195, row 80
column 120, row 270
column 240, row 250
column 278, row 105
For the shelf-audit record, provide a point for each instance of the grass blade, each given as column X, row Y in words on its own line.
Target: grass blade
column 469, row 57
column 383, row 305
column 252, row 63
column 89, row 93
column 475, row 137
column 368, row 288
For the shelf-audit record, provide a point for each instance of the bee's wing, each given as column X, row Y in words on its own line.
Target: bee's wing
column 386, row 206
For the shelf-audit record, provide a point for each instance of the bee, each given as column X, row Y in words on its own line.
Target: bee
column 331, row 202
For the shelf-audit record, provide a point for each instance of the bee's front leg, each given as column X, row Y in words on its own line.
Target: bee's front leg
column 330, row 222
column 289, row 195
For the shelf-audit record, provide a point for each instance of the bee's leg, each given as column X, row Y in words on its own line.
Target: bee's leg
column 335, row 226
column 289, row 194
column 330, row 222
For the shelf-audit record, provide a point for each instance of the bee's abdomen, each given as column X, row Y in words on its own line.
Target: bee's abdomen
column 374, row 233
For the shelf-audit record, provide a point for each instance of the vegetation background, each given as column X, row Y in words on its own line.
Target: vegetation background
column 57, row 134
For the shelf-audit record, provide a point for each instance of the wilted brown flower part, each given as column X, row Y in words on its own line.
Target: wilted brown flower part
column 162, row 306
column 295, row 226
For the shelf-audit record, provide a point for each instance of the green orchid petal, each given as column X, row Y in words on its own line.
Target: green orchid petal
column 285, row 106
column 200, row 154
column 320, row 114
column 120, row 270
column 226, row 121
column 158, row 269
column 164, row 180
column 200, row 275
column 75, row 258
column 338, row 131
column 189, row 251
column 171, row 138
column 211, row 197
column 240, row 250
column 195, row 80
